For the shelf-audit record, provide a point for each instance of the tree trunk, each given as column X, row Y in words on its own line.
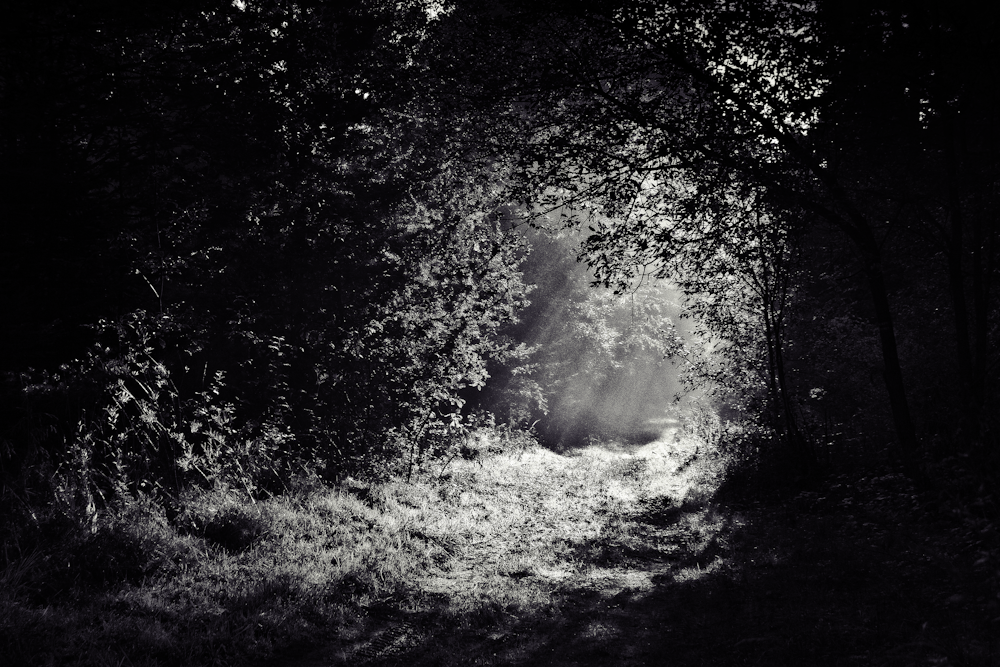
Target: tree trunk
column 982, row 269
column 772, row 364
column 803, row 454
column 968, row 410
column 860, row 232
column 892, row 373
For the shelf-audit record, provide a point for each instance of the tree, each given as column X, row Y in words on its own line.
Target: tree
column 653, row 113
column 912, row 128
column 303, row 243
column 741, row 290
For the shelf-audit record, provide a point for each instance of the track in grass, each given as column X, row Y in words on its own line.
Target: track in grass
column 612, row 554
column 617, row 555
column 526, row 538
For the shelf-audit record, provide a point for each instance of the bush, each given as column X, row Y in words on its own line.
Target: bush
column 114, row 425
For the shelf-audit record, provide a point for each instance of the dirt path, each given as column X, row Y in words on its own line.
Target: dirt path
column 844, row 575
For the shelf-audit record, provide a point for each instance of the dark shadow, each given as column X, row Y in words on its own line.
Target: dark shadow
column 659, row 511
column 777, row 586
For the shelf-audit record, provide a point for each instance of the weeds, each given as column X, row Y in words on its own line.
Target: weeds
column 225, row 580
column 511, row 555
column 14, row 576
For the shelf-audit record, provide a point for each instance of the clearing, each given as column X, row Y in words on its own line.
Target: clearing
column 604, row 555
column 612, row 555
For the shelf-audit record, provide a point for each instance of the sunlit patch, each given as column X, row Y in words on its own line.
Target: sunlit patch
column 600, row 630
column 612, row 581
column 554, row 573
column 434, row 9
column 598, row 452
column 665, row 421
column 537, row 456
column 620, row 491
column 698, row 571
column 602, row 526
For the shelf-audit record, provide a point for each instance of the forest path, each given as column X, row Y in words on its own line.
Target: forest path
column 842, row 575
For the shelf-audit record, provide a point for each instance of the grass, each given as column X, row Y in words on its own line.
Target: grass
column 605, row 555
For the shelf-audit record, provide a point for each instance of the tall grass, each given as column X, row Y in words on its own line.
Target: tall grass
column 474, row 545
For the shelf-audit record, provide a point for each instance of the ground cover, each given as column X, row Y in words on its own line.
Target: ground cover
column 609, row 554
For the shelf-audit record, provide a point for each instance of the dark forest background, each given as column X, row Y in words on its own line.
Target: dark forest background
column 244, row 243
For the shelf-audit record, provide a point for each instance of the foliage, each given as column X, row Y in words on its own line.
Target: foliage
column 310, row 264
column 272, row 241
column 660, row 122
column 430, row 339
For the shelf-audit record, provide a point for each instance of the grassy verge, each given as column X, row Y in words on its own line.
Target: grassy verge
column 229, row 581
column 605, row 555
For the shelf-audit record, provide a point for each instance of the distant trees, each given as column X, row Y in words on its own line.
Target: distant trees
column 592, row 363
column 917, row 152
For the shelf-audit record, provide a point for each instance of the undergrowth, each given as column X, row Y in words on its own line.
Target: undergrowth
column 224, row 580
column 508, row 553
